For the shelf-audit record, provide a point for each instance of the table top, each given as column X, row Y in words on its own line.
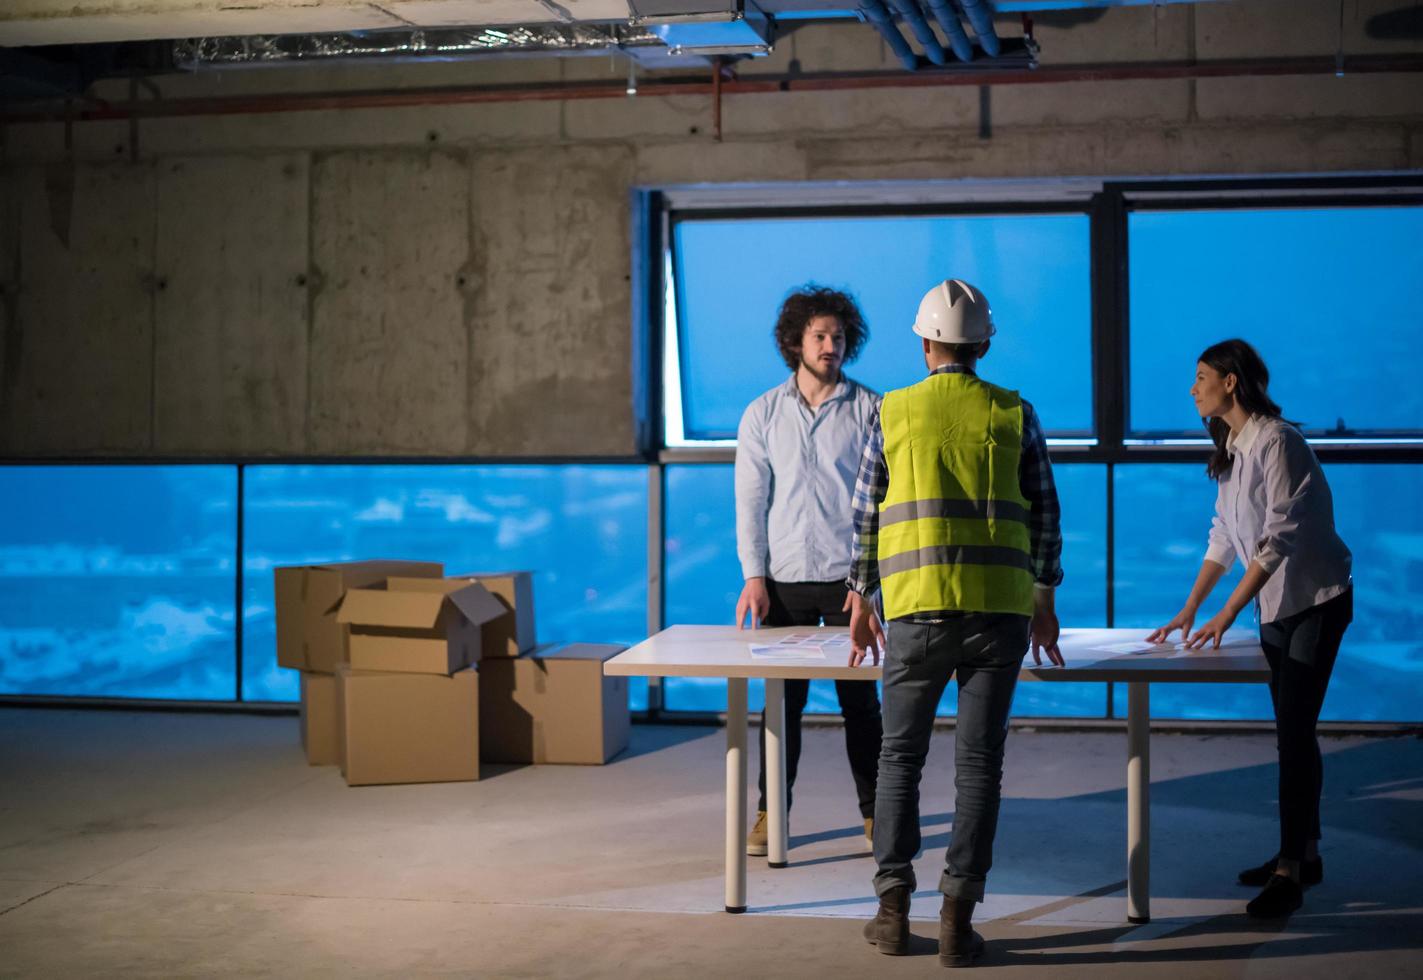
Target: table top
column 796, row 652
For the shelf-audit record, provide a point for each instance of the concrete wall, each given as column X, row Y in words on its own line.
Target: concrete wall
column 455, row 280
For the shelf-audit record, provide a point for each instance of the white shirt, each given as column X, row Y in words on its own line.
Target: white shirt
column 795, row 473
column 1274, row 507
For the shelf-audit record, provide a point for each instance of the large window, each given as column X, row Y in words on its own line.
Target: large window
column 582, row 531
column 731, row 275
column 1322, row 280
column 1163, row 512
column 1331, row 297
column 121, row 581
column 118, row 581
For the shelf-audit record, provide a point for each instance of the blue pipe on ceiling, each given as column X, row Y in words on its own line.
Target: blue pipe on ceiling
column 948, row 19
column 875, row 12
column 980, row 15
column 913, row 15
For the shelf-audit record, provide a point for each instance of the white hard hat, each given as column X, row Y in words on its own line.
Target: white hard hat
column 954, row 312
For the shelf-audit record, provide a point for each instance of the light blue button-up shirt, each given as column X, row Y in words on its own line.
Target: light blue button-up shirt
column 795, row 476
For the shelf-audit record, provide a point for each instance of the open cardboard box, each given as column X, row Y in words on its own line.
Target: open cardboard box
column 515, row 635
column 417, row 625
column 308, row 634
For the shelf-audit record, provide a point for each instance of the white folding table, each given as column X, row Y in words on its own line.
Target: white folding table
column 1118, row 655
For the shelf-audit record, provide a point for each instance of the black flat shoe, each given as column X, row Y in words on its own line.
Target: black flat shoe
column 1280, row 897
column 1310, row 873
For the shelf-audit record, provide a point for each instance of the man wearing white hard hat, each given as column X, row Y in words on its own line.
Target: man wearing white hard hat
column 956, row 523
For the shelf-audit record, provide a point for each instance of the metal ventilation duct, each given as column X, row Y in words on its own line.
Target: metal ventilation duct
column 445, row 44
column 707, row 27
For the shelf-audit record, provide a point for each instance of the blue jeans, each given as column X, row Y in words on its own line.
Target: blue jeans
column 984, row 652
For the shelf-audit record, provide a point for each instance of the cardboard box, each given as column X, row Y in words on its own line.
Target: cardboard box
column 423, row 626
column 515, row 635
column 408, row 728
column 320, row 738
column 308, row 636
column 553, row 705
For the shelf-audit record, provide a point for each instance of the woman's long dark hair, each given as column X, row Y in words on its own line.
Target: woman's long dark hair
column 1252, row 391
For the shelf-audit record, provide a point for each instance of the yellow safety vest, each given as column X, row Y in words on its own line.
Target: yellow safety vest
column 953, row 527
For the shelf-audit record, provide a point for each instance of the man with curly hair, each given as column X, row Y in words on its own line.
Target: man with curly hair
column 797, row 451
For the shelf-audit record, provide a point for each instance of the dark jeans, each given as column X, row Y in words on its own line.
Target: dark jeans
column 984, row 651
column 806, row 604
column 1301, row 651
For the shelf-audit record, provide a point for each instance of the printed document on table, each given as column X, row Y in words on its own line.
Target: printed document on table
column 797, row 648
column 785, row 653
column 1171, row 650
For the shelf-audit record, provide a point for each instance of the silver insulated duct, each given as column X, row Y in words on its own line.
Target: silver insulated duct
column 442, row 44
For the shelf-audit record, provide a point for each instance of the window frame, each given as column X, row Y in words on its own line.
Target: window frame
column 1070, row 199
column 1108, row 203
column 1158, row 197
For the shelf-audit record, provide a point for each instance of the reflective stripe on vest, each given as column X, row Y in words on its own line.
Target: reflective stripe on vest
column 953, row 532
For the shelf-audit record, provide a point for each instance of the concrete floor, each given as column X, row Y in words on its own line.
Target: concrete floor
column 193, row 845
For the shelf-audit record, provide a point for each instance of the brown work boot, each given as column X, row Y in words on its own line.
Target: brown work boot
column 959, row 945
column 870, row 834
column 889, row 929
column 756, row 840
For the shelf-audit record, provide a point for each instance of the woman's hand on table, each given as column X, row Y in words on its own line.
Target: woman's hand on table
column 1213, row 631
column 1181, row 621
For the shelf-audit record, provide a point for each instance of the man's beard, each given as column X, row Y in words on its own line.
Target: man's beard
column 820, row 372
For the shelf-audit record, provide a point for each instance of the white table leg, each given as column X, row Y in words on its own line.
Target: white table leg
column 777, row 819
column 1138, row 802
column 736, row 794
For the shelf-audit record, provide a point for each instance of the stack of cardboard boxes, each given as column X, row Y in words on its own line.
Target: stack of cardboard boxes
column 310, row 640
column 409, row 676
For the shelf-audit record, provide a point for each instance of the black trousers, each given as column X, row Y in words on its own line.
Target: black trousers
column 806, row 604
column 1301, row 650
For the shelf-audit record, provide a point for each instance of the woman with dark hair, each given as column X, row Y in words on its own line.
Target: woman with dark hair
column 1275, row 513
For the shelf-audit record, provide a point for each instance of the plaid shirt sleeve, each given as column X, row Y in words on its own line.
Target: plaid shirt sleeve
column 1044, row 512
column 871, row 486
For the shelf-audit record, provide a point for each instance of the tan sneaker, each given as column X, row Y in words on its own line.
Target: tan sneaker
column 756, row 839
column 870, row 834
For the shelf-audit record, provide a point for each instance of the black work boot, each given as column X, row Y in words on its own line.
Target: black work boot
column 889, row 929
column 959, row 945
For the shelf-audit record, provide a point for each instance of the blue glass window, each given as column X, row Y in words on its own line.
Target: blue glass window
column 1379, row 673
column 119, row 581
column 1082, row 598
column 732, row 275
column 1163, row 517
column 703, row 580
column 1163, row 514
column 582, row 530
column 1329, row 296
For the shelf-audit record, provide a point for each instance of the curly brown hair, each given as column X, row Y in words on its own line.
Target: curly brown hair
column 809, row 302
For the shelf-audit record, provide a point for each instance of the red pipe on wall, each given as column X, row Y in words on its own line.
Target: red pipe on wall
column 752, row 85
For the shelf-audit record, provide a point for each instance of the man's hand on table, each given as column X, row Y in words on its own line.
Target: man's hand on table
column 866, row 633
column 1043, row 630
column 754, row 600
